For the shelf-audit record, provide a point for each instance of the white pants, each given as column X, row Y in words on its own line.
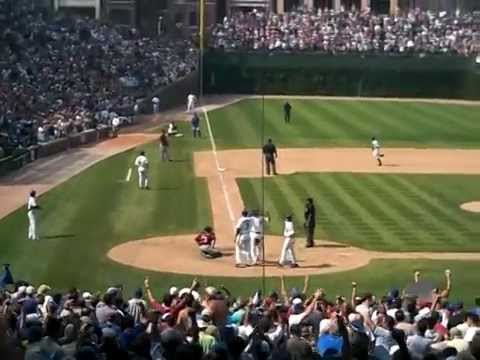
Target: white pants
column 156, row 108
column 190, row 105
column 142, row 179
column 256, row 247
column 32, row 226
column 242, row 250
column 376, row 153
column 288, row 253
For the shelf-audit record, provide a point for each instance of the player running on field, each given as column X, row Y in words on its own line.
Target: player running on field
column 376, row 151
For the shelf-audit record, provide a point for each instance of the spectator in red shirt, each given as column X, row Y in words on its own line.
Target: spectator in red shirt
column 206, row 242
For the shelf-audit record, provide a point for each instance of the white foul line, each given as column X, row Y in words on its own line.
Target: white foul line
column 220, row 169
column 129, row 175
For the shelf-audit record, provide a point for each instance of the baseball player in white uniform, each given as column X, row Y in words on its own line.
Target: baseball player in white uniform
column 376, row 151
column 191, row 100
column 32, row 209
column 141, row 162
column 256, row 236
column 287, row 257
column 242, row 240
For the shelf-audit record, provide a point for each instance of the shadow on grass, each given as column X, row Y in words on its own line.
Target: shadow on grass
column 59, row 236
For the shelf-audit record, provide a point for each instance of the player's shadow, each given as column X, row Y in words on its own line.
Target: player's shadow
column 165, row 188
column 390, row 165
column 59, row 236
column 331, row 246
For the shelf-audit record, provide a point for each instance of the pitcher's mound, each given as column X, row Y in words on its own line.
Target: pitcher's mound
column 473, row 206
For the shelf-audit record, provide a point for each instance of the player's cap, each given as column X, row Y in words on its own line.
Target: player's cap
column 173, row 291
column 112, row 290
column 289, row 217
column 42, row 289
column 195, row 294
column 210, row 290
column 297, row 301
column 30, row 290
column 86, row 295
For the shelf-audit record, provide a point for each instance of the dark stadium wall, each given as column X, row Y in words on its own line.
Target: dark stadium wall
column 342, row 75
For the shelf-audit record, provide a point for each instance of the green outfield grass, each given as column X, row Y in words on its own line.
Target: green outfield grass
column 96, row 210
column 377, row 212
column 318, row 123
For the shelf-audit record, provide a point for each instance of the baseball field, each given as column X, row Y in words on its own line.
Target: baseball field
column 375, row 225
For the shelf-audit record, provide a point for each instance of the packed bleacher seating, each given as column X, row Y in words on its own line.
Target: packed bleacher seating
column 212, row 323
column 328, row 31
column 62, row 75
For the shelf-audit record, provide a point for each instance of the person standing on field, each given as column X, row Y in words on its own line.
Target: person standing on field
column 242, row 240
column 156, row 104
column 287, row 257
column 270, row 153
column 196, row 125
column 376, row 151
column 257, row 226
column 191, row 100
column 141, row 162
column 287, row 108
column 164, row 146
column 32, row 208
column 309, row 216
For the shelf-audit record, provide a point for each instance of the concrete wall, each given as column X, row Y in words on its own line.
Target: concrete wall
column 96, row 4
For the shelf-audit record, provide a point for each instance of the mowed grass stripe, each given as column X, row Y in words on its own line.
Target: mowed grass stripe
column 387, row 118
column 451, row 116
column 372, row 201
column 432, row 204
column 410, row 214
column 240, row 121
column 433, row 121
column 320, row 121
column 470, row 118
column 352, row 123
column 355, row 216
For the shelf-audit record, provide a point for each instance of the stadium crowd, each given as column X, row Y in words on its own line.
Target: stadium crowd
column 209, row 323
column 62, row 75
column 330, row 31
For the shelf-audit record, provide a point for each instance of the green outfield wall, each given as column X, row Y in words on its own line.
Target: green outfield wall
column 431, row 76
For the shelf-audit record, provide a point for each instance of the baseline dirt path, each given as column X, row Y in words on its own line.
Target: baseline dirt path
column 326, row 257
column 46, row 173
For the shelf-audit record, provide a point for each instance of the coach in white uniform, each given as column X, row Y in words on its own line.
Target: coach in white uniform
column 141, row 162
column 287, row 257
column 32, row 208
column 242, row 240
column 191, row 99
column 376, row 151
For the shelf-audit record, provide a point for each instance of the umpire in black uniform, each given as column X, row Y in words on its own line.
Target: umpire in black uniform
column 287, row 108
column 270, row 153
column 309, row 216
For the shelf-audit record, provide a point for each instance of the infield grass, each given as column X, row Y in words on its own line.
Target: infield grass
column 388, row 212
